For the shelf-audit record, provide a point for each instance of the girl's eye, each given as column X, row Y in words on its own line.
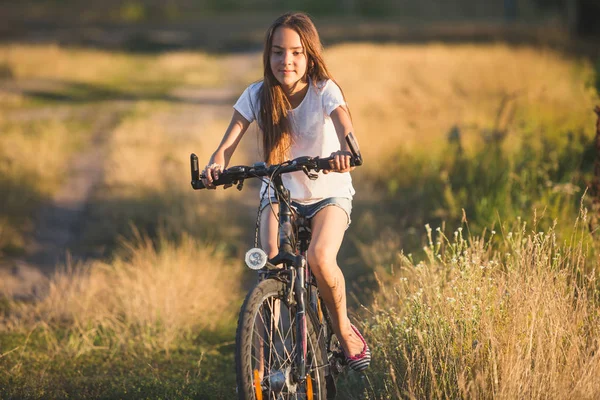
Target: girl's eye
column 277, row 52
column 297, row 53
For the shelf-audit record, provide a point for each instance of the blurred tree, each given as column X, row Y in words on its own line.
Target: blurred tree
column 349, row 6
column 132, row 11
column 583, row 17
column 510, row 10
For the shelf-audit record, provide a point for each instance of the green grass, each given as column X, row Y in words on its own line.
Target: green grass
column 200, row 368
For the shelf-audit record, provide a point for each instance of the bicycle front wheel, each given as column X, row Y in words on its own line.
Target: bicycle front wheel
column 266, row 347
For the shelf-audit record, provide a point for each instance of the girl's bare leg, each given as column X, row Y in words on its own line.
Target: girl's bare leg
column 269, row 230
column 328, row 227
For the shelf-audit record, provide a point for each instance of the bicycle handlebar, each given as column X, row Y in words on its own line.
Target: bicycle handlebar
column 237, row 174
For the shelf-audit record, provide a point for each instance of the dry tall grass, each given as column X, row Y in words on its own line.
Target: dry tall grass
column 148, row 298
column 411, row 96
column 155, row 292
column 514, row 314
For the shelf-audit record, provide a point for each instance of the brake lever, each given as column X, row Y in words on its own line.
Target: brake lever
column 310, row 175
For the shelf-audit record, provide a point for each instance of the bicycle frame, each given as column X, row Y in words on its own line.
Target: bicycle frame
column 296, row 264
column 292, row 254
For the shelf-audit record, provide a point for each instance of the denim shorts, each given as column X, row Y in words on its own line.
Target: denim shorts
column 310, row 210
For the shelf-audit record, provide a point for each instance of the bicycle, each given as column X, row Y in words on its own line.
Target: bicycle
column 285, row 345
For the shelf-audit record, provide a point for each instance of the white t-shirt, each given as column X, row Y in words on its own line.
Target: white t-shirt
column 313, row 134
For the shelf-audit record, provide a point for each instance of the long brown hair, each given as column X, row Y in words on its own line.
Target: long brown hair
column 277, row 137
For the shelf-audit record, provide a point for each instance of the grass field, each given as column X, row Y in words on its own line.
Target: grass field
column 493, row 144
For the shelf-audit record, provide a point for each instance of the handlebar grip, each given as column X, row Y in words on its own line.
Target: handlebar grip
column 323, row 163
column 197, row 183
column 223, row 180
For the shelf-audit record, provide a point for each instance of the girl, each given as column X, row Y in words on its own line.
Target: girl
column 302, row 112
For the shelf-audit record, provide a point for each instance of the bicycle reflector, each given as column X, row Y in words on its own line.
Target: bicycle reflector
column 256, row 258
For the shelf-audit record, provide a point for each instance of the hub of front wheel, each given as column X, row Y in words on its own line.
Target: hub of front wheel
column 279, row 380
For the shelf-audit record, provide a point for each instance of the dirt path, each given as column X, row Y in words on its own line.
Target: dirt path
column 59, row 223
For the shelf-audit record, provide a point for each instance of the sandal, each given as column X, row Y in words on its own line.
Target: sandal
column 361, row 361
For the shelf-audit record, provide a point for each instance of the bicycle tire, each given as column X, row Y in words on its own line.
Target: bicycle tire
column 259, row 303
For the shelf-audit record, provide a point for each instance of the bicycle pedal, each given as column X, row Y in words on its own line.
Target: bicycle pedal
column 339, row 356
column 337, row 363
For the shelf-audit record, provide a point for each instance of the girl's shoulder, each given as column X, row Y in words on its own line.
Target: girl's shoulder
column 330, row 95
column 325, row 86
column 327, row 89
column 252, row 95
column 254, row 88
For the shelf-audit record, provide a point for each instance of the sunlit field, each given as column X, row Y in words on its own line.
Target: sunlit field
column 470, row 238
column 413, row 96
column 495, row 130
column 92, row 75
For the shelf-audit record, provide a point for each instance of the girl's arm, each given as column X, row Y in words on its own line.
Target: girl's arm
column 343, row 126
column 220, row 158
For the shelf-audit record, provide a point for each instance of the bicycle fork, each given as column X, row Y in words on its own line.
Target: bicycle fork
column 301, row 330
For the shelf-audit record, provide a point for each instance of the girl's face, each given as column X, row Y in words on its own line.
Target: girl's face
column 288, row 58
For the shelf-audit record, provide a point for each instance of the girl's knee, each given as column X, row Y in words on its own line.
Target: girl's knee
column 322, row 261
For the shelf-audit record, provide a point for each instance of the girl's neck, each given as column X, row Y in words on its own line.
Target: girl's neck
column 295, row 94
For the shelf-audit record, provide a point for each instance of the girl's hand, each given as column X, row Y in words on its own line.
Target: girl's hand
column 211, row 173
column 341, row 162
